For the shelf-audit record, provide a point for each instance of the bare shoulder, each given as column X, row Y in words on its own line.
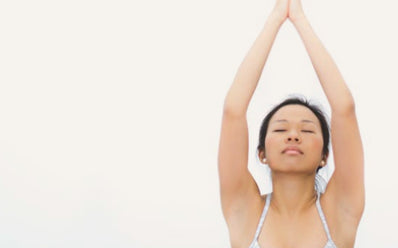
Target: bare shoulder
column 342, row 226
column 243, row 218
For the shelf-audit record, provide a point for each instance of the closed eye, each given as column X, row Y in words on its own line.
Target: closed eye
column 279, row 130
column 308, row 131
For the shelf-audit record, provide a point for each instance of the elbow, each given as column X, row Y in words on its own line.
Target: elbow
column 349, row 107
column 234, row 111
column 345, row 108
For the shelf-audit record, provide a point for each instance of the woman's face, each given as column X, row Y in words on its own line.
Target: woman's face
column 294, row 140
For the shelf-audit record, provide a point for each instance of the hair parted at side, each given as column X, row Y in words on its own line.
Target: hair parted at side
column 296, row 100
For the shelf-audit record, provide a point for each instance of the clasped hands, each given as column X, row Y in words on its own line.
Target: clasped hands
column 291, row 9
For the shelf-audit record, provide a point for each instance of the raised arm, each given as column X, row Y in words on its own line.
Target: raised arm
column 346, row 186
column 249, row 72
column 237, row 187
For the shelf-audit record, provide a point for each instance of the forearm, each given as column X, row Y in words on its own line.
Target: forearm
column 332, row 82
column 250, row 70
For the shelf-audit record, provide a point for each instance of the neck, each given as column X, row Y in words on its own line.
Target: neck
column 293, row 194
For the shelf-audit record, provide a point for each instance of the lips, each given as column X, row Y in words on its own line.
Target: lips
column 292, row 150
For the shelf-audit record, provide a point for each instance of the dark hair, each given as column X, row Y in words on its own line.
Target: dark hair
column 297, row 101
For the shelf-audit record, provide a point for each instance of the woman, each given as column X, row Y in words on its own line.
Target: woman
column 294, row 143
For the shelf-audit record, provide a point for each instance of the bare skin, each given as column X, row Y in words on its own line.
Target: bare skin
column 292, row 220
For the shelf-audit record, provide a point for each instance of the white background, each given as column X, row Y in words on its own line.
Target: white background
column 110, row 114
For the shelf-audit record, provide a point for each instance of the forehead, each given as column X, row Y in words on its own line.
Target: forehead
column 294, row 113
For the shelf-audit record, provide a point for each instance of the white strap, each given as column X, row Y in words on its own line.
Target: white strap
column 325, row 225
column 265, row 210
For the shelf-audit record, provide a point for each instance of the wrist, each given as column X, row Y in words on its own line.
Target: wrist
column 298, row 19
column 276, row 18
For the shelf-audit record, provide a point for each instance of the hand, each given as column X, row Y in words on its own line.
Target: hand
column 281, row 10
column 295, row 10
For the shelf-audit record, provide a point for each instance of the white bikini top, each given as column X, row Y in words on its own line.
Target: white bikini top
column 329, row 244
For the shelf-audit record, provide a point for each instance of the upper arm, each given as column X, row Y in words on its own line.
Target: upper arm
column 237, row 186
column 346, row 186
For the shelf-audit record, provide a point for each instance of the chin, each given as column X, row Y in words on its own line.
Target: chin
column 290, row 167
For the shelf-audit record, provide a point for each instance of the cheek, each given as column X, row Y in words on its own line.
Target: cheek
column 317, row 144
column 270, row 143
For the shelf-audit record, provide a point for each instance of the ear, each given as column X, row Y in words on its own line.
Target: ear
column 261, row 155
column 325, row 157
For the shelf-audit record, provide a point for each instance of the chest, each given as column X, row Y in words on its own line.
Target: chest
column 305, row 231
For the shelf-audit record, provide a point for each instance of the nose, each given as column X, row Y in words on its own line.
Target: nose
column 293, row 136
